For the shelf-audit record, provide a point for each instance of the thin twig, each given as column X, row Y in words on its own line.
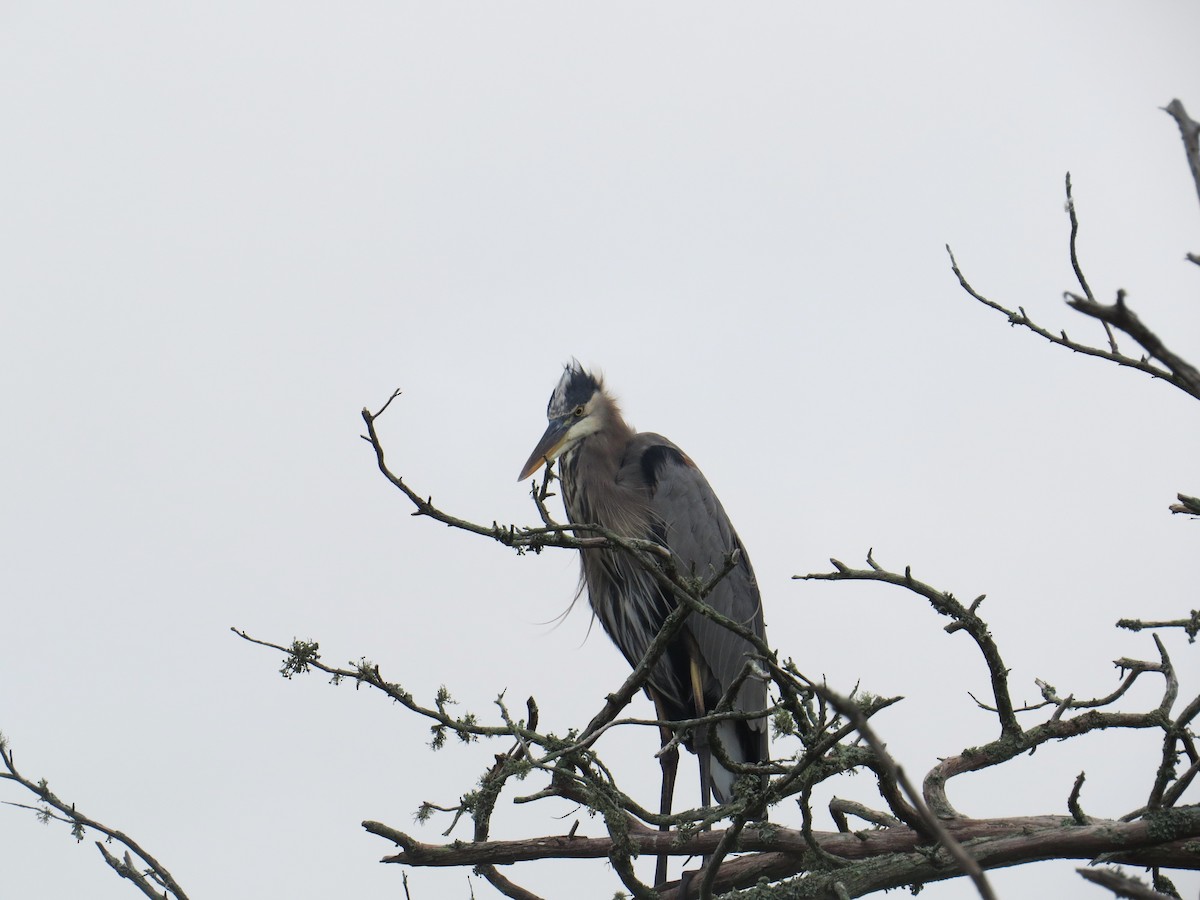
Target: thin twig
column 147, row 870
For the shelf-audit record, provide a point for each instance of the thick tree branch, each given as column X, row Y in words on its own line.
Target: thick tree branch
column 893, row 773
column 1183, row 374
column 776, row 852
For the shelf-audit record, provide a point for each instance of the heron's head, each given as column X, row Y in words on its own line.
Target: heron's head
column 578, row 407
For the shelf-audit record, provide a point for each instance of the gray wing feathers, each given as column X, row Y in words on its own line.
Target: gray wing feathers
column 699, row 533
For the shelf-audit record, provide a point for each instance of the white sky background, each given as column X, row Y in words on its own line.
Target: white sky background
column 227, row 227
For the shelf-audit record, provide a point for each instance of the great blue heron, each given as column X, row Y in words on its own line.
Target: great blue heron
column 640, row 485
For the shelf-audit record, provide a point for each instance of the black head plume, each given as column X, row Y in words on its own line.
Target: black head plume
column 575, row 388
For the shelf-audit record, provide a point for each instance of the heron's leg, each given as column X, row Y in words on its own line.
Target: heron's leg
column 669, row 760
column 670, row 764
column 703, row 756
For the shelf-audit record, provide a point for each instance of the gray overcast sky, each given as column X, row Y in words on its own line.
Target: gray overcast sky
column 227, row 227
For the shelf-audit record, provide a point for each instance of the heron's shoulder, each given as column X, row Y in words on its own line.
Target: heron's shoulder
column 654, row 457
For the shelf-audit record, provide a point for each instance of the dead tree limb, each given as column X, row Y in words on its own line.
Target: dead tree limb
column 136, row 864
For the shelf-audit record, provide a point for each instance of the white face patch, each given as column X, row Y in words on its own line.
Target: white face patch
column 577, row 409
column 580, row 427
column 588, row 423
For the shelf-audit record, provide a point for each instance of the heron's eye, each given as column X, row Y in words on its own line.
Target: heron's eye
column 578, row 411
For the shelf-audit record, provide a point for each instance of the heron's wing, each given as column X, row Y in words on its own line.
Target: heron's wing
column 699, row 533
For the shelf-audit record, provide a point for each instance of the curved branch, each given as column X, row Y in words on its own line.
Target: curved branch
column 1175, row 369
column 147, row 874
column 944, row 603
column 1021, row 318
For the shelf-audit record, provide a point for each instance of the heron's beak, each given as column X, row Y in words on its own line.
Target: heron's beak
column 547, row 448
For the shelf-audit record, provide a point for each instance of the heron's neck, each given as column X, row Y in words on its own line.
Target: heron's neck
column 605, row 450
column 589, row 476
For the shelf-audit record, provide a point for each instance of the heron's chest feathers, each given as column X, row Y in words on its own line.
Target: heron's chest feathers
column 600, row 486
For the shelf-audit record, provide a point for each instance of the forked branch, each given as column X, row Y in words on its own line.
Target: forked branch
column 835, row 739
column 145, row 872
column 1174, row 369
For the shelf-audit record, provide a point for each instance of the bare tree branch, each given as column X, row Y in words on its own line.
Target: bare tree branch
column 146, row 873
column 1174, row 370
column 894, row 773
column 777, row 852
column 1187, row 505
column 1183, row 374
column 1121, row 885
column 1020, row 317
column 1189, row 130
column 1191, row 624
column 965, row 618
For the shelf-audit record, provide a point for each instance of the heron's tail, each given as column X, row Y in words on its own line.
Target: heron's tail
column 734, row 738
